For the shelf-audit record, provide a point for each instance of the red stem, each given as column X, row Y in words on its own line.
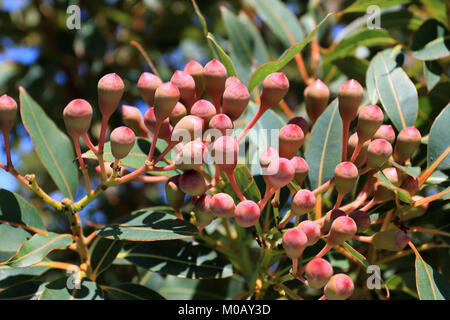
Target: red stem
column 251, row 123
column 154, row 140
column 89, row 143
column 236, row 189
column 76, row 143
column 356, row 151
column 169, row 147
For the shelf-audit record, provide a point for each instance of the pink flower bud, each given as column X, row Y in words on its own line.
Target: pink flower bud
column 303, row 202
column 204, row 109
column 175, row 196
column 77, row 117
column 385, row 131
column 301, row 169
column 235, row 100
column 316, row 99
column 392, row 239
column 275, row 87
column 280, row 172
column 110, row 91
column 202, row 211
column 294, row 243
column 193, row 183
column 302, row 123
column 266, row 157
column 408, row 141
column 166, row 97
column 329, row 219
column 188, row 128
column 147, row 85
column 345, row 175
column 290, row 139
column 186, row 85
column 225, row 152
column 340, row 287
column 214, row 77
column 378, row 153
column 178, row 112
column 222, row 205
column 192, row 156
column 370, row 119
column 133, row 119
column 350, row 96
column 8, row 113
column 342, row 229
column 311, row 230
column 246, row 214
column 150, row 122
column 122, row 141
column 318, row 272
column 195, row 69
column 221, row 122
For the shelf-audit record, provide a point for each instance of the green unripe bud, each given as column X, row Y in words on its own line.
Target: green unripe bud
column 203, row 213
column 178, row 112
column 386, row 132
column 204, row 109
column 193, row 183
column 274, row 87
column 361, row 219
column 378, row 153
column 214, row 77
column 110, row 91
column 166, row 97
column 186, row 85
column 301, row 169
column 316, row 99
column 235, row 100
column 290, row 139
column 392, row 239
column 302, row 123
column 311, row 230
column 303, row 202
column 77, row 117
column 147, row 85
column 133, row 119
column 280, row 172
column 122, row 141
column 8, row 113
column 408, row 140
column 222, row 205
column 342, row 229
column 318, row 272
column 345, row 175
column 339, row 287
column 294, row 243
column 370, row 119
column 247, row 213
column 195, row 69
column 349, row 97
column 175, row 197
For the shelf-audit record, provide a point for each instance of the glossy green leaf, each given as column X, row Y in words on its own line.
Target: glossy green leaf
column 412, row 171
column 324, row 150
column 52, row 146
column 11, row 238
column 368, row 38
column 280, row 20
column 353, row 68
column 138, row 155
column 223, row 56
column 438, row 142
column 16, row 211
column 402, row 194
column 260, row 74
column 181, row 259
column 362, row 5
column 10, row 276
column 432, row 71
column 103, row 253
column 38, row 247
column 431, row 285
column 431, row 41
column 151, row 224
column 130, row 291
column 246, row 184
column 396, row 91
column 22, row 291
column 66, row 289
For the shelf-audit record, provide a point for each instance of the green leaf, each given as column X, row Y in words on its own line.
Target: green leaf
column 368, row 38
column 11, row 238
column 324, row 149
column 431, row 285
column 353, row 68
column 223, row 57
column 431, row 41
column 260, row 74
column 66, row 289
column 438, row 142
column 432, row 71
column 22, row 291
column 402, row 194
column 52, row 146
column 181, row 259
column 103, row 253
column 246, row 184
column 201, row 17
column 138, row 155
column 151, row 224
column 412, row 171
column 130, row 291
column 259, row 46
column 38, row 247
column 358, row 256
column 16, row 211
column 396, row 92
column 280, row 20
column 362, row 5
column 10, row 275
column 402, row 19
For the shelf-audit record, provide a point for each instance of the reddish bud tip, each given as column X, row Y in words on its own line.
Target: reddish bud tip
column 301, row 169
column 231, row 80
column 110, row 90
column 392, row 239
column 195, row 69
column 8, row 113
column 225, row 152
column 345, row 175
column 280, row 172
column 147, row 85
column 166, row 97
column 318, row 272
column 350, row 96
column 342, row 229
column 311, row 230
column 186, row 85
column 235, row 100
column 175, row 196
column 290, row 139
column 316, row 99
column 122, row 141
column 294, row 243
column 361, row 219
column 150, row 122
column 339, row 287
column 214, row 77
column 221, row 122
column 193, row 183
column 275, row 87
column 178, row 112
column 303, row 202
column 188, row 128
column 247, row 214
column 386, row 132
column 378, row 153
column 408, row 140
column 77, row 117
column 204, row 109
column 222, row 205
column 370, row 119
column 302, row 123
